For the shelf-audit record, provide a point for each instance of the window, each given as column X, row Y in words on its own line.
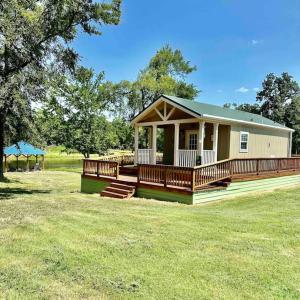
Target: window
column 193, row 141
column 244, row 140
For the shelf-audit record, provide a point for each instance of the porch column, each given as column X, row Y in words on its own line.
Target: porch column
column 136, row 144
column 201, row 136
column 154, row 130
column 176, row 144
column 290, row 144
column 215, row 141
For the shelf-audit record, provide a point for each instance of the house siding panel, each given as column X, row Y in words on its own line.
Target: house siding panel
column 263, row 142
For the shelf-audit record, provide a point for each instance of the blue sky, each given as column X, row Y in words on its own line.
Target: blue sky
column 233, row 43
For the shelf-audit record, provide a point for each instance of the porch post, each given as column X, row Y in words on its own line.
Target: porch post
column 136, row 144
column 215, row 141
column 290, row 144
column 201, row 136
column 176, row 144
column 154, row 129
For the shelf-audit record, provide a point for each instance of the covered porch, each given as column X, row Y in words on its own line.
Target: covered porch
column 181, row 137
column 183, row 143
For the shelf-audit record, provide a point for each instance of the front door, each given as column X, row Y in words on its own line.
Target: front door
column 191, row 140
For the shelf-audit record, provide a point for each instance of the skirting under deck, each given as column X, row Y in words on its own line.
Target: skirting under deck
column 244, row 188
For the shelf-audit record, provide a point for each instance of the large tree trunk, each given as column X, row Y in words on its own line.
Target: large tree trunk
column 1, row 147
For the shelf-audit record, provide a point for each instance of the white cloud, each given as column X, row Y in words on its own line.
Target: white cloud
column 256, row 89
column 242, row 90
column 255, row 42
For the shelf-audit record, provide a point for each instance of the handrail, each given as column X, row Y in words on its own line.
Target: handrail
column 195, row 177
column 215, row 163
column 101, row 168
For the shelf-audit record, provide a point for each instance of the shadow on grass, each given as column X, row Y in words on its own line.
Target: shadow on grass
column 8, row 193
column 7, row 180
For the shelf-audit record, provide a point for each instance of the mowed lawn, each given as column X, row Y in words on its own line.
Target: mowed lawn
column 58, row 243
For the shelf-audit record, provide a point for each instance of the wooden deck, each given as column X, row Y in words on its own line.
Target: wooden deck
column 189, row 181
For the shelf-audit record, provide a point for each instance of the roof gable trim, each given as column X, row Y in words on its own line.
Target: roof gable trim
column 163, row 98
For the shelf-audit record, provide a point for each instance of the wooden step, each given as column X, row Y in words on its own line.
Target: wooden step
column 121, row 186
column 113, row 195
column 117, row 190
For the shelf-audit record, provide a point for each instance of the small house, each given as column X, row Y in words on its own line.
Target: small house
column 202, row 148
column 200, row 133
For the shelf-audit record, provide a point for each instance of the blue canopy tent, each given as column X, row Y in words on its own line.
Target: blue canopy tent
column 23, row 149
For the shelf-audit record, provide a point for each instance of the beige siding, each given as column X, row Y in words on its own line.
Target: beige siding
column 263, row 142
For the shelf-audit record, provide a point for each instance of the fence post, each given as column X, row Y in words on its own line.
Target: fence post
column 117, row 170
column 257, row 166
column 84, row 166
column 138, row 174
column 98, row 168
column 278, row 165
column 230, row 167
column 165, row 176
column 193, row 180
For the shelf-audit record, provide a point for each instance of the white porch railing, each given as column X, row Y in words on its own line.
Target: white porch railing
column 187, row 158
column 208, row 157
column 144, row 156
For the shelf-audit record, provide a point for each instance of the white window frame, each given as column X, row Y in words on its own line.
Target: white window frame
column 247, row 149
column 187, row 138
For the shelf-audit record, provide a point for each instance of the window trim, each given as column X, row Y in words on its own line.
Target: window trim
column 247, row 149
column 187, row 138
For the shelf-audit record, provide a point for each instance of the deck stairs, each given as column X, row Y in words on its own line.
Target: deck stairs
column 118, row 190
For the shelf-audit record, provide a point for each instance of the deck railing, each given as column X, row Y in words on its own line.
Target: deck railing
column 101, row 168
column 199, row 176
column 165, row 175
column 123, row 160
column 196, row 177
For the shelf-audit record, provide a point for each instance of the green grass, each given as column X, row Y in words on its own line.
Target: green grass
column 58, row 243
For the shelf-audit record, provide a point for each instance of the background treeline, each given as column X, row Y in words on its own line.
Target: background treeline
column 278, row 100
column 85, row 112
column 46, row 97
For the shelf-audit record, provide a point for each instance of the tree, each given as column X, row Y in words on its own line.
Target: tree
column 74, row 115
column 279, row 101
column 125, row 133
column 292, row 120
column 276, row 95
column 33, row 35
column 251, row 108
column 165, row 74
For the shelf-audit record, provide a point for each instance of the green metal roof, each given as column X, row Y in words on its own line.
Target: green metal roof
column 204, row 109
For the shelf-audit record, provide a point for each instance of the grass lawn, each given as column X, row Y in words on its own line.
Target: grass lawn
column 58, row 243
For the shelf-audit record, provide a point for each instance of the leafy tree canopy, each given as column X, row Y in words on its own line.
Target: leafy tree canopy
column 278, row 100
column 276, row 95
column 33, row 36
column 165, row 74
